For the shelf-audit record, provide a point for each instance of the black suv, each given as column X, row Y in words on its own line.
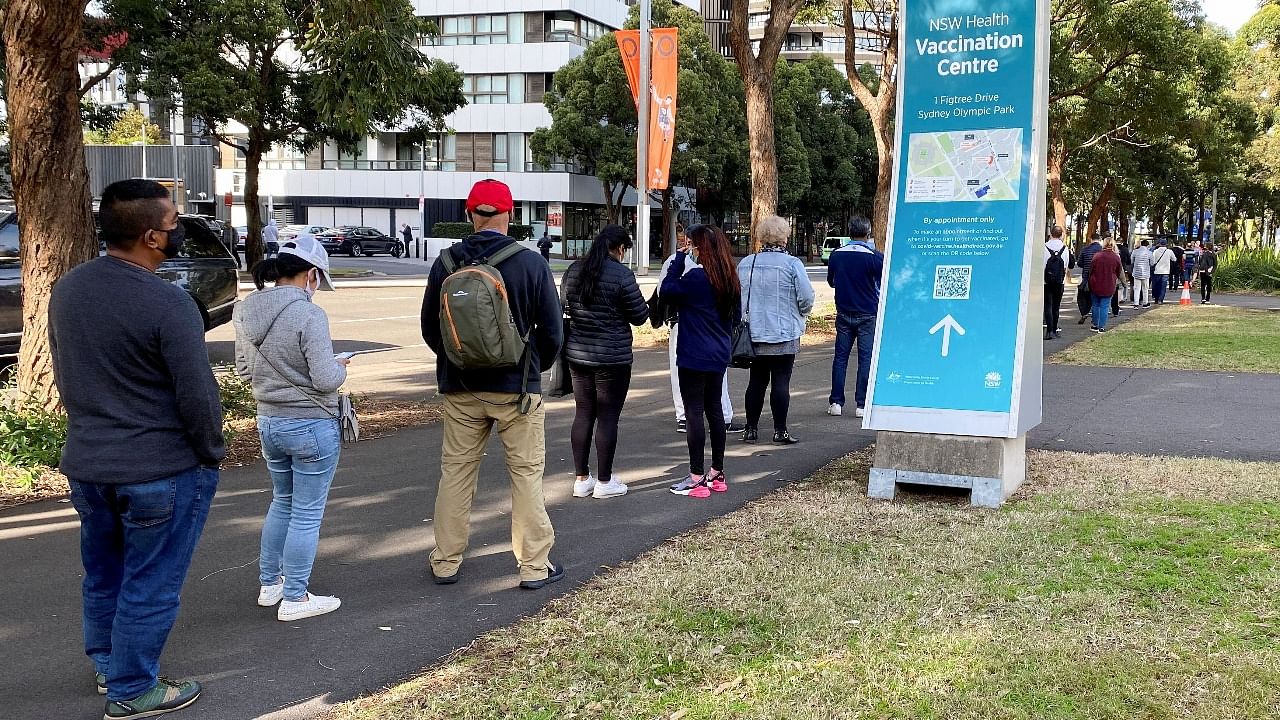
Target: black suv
column 354, row 241
column 204, row 268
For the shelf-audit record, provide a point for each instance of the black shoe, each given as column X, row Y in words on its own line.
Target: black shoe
column 733, row 428
column 447, row 580
column 750, row 436
column 784, row 438
column 1082, row 319
column 681, row 426
column 1057, row 334
column 555, row 573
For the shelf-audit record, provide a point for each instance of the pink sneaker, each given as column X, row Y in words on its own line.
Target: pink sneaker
column 701, row 491
column 718, row 482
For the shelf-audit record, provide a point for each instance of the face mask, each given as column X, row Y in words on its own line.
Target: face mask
column 173, row 244
column 309, row 290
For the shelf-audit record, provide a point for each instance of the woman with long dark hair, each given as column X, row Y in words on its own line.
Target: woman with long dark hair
column 283, row 348
column 703, row 285
column 603, row 301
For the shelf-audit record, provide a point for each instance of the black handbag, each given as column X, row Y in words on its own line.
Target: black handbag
column 744, row 351
column 561, row 382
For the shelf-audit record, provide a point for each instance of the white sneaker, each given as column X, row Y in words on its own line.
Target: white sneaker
column 269, row 595
column 835, row 410
column 613, row 488
column 859, row 412
column 310, row 606
column 582, row 488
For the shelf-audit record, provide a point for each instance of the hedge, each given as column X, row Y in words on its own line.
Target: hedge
column 462, row 230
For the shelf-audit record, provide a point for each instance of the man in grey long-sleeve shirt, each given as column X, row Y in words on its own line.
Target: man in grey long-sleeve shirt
column 143, row 444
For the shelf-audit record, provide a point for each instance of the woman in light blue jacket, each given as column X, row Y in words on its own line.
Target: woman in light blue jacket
column 776, row 298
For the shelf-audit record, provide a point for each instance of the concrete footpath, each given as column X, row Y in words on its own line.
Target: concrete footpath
column 377, row 533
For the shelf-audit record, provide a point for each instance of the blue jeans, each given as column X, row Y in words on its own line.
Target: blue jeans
column 848, row 327
column 1101, row 310
column 136, row 543
column 302, row 456
column 1159, row 286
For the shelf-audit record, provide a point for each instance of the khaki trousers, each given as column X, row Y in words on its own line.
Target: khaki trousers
column 469, row 419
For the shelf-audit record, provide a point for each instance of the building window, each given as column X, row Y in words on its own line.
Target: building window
column 485, row 89
column 568, row 27
column 536, row 86
column 472, row 30
column 500, row 153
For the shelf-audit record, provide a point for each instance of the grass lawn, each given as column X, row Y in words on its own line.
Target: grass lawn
column 1147, row 593
column 1200, row 337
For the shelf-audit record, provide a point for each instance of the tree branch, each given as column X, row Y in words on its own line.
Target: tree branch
column 92, row 80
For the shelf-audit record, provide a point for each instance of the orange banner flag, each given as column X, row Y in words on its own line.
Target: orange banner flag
column 663, row 87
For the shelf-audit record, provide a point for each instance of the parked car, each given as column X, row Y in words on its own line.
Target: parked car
column 354, row 241
column 293, row 232
column 832, row 244
column 203, row 268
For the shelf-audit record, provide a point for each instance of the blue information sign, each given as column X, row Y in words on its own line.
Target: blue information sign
column 958, row 343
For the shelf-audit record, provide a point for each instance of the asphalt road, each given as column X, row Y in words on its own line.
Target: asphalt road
column 377, row 530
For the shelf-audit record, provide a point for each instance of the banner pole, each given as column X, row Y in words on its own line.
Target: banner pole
column 643, row 102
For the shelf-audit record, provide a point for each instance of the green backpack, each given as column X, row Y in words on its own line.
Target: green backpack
column 475, row 313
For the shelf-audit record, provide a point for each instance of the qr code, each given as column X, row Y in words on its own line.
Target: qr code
column 951, row 282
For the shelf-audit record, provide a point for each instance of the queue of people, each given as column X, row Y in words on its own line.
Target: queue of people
column 136, row 382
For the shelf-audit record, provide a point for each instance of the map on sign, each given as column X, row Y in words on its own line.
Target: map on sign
column 971, row 165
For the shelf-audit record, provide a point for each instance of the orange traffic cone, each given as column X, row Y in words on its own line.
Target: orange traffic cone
column 1186, row 294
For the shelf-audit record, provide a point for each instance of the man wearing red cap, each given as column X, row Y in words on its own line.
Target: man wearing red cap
column 478, row 399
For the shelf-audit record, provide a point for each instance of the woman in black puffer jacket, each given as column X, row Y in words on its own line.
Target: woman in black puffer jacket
column 603, row 301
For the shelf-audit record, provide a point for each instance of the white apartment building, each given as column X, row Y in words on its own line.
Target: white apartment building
column 825, row 38
column 508, row 51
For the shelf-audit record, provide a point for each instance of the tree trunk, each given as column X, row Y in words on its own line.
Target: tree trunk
column 50, row 180
column 1099, row 210
column 1058, row 162
column 611, row 210
column 764, row 159
column 1200, row 219
column 253, row 245
column 880, row 108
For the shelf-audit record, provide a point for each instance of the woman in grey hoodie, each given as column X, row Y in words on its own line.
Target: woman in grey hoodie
column 283, row 348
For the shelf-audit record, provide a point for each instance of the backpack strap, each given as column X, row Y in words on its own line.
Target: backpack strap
column 1058, row 254
column 504, row 254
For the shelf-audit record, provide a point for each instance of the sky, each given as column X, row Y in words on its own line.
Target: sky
column 1229, row 13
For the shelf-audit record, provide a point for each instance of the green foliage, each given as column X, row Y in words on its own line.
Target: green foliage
column 236, row 394
column 461, row 230
column 1248, row 269
column 101, row 118
column 127, row 129
column 30, row 436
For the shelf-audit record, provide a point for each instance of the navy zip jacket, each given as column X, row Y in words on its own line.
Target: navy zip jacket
column 854, row 271
column 531, row 292
column 705, row 334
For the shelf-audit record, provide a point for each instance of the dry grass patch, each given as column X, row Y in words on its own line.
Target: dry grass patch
column 1111, row 587
column 1201, row 337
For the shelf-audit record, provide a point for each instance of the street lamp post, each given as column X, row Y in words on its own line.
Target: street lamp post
column 642, row 146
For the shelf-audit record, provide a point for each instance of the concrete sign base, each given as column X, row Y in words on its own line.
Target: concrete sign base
column 992, row 468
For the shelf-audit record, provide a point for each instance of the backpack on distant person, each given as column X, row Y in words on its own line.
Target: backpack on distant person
column 476, row 326
column 1055, row 270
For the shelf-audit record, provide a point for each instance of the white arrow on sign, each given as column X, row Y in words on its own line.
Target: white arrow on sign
column 946, row 325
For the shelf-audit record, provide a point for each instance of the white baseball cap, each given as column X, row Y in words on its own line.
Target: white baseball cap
column 310, row 249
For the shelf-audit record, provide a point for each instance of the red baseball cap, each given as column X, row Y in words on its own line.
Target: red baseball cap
column 489, row 193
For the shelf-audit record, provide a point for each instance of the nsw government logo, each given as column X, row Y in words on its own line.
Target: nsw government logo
column 895, row 377
column 993, row 379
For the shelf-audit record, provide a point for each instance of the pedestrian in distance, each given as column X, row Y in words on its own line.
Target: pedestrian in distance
column 270, row 236
column 1106, row 275
column 777, row 297
column 492, row 316
column 544, row 247
column 603, row 301
column 1142, row 275
column 703, row 285
column 1161, row 265
column 673, row 339
column 283, row 348
column 144, row 440
column 1057, row 261
column 854, row 270
column 406, row 233
column 1084, row 297
column 230, row 239
column 1206, row 266
column 1189, row 258
column 1177, row 273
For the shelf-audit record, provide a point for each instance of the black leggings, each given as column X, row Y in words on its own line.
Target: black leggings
column 1206, row 286
column 766, row 369
column 599, row 393
column 701, row 394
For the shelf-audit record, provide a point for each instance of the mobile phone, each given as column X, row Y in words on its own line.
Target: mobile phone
column 344, row 356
